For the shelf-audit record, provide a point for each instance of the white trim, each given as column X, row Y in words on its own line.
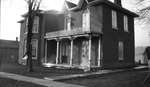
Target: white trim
column 45, row 51
column 90, row 45
column 71, row 53
column 57, row 53
column 99, row 52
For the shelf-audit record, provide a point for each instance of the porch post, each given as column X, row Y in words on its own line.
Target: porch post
column 71, row 53
column 90, row 45
column 99, row 52
column 45, row 51
column 57, row 53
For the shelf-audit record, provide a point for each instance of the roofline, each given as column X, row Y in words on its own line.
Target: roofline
column 21, row 21
column 124, row 10
column 96, row 2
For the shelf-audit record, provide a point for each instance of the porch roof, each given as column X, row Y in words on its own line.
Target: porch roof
column 72, row 33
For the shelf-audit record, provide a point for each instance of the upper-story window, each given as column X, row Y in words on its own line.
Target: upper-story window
column 126, row 23
column 86, row 20
column 26, row 25
column 114, row 19
column 35, row 25
column 121, row 51
column 68, row 22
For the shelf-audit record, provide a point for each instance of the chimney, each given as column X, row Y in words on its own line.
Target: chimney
column 118, row 2
column 16, row 39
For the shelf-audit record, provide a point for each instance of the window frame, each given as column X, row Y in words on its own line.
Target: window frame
column 68, row 20
column 35, row 25
column 121, row 51
column 114, row 19
column 36, row 47
column 25, row 26
column 126, row 26
column 86, row 20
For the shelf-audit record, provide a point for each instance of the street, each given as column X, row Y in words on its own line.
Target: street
column 132, row 78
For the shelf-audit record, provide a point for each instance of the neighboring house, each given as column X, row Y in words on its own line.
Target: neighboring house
column 8, row 51
column 140, row 58
column 92, row 33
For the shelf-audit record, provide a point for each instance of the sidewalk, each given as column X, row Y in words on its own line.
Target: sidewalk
column 92, row 74
column 42, row 82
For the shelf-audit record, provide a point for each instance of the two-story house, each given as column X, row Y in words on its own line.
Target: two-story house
column 93, row 33
column 44, row 21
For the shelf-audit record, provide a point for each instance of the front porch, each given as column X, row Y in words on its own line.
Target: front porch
column 82, row 51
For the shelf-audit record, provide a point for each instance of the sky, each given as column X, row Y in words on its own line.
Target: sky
column 11, row 11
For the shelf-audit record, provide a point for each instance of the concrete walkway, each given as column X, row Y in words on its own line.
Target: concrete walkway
column 42, row 82
column 92, row 74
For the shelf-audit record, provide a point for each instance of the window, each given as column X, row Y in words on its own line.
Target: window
column 125, row 23
column 25, row 47
column 68, row 19
column 114, row 19
column 34, row 48
column 26, row 26
column 86, row 20
column 35, row 24
column 121, row 51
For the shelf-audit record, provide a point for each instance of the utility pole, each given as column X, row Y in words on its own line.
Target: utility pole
column 33, row 7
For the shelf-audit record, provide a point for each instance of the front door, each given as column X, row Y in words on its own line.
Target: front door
column 84, row 54
column 65, row 52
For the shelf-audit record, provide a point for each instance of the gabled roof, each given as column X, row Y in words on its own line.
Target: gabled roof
column 98, row 2
column 73, row 6
column 70, row 5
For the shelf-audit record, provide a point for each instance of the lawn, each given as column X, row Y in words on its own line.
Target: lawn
column 5, row 82
column 39, row 71
column 124, row 79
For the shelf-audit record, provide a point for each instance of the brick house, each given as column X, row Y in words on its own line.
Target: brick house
column 44, row 21
column 89, row 34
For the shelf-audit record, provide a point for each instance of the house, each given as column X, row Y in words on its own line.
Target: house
column 8, row 51
column 44, row 21
column 90, row 34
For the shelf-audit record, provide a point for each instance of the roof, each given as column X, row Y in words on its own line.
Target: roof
column 99, row 2
column 26, row 14
column 21, row 21
column 8, row 44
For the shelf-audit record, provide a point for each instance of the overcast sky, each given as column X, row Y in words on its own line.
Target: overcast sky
column 11, row 11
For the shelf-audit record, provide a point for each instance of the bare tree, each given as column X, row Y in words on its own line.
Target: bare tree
column 33, row 7
column 144, row 11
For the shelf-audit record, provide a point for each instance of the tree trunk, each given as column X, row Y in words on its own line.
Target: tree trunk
column 29, row 38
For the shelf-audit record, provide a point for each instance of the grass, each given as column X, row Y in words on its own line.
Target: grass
column 123, row 79
column 5, row 82
column 39, row 71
